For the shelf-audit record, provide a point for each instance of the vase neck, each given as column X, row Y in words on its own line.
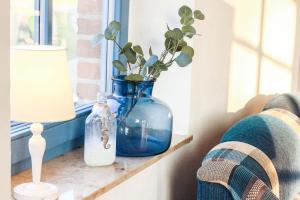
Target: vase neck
column 125, row 88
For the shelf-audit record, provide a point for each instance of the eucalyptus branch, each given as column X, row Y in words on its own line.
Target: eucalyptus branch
column 174, row 52
column 117, row 44
column 129, row 66
column 174, row 41
column 166, row 51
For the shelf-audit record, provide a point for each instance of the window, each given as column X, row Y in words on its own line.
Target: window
column 68, row 23
column 72, row 24
column 263, row 48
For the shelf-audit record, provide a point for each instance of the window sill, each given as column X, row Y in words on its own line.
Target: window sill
column 65, row 171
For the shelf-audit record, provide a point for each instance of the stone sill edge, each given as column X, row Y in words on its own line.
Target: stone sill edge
column 148, row 163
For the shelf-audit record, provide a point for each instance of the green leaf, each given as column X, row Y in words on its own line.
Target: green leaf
column 170, row 44
column 163, row 67
column 138, row 49
column 126, row 46
column 182, row 44
column 150, row 51
column 97, row 39
column 117, row 64
column 130, row 55
column 183, row 59
column 187, row 21
column 141, row 60
column 189, row 31
column 188, row 50
column 168, row 27
column 134, row 77
column 199, row 15
column 112, row 30
column 185, row 11
column 168, row 64
column 176, row 34
column 151, row 61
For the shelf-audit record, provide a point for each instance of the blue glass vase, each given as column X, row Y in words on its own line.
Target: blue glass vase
column 144, row 123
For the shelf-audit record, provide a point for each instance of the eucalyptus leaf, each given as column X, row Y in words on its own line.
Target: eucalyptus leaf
column 141, row 60
column 150, row 51
column 126, row 46
column 112, row 30
column 183, row 59
column 199, row 15
column 138, row 49
column 189, row 31
column 181, row 44
column 185, row 11
column 151, row 61
column 187, row 21
column 168, row 27
column 188, row 50
column 170, row 45
column 134, row 77
column 109, row 35
column 97, row 39
column 169, row 64
column 163, row 67
column 130, row 55
column 117, row 64
column 176, row 34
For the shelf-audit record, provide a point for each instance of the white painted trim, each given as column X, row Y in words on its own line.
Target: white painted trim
column 5, row 185
column 296, row 62
column 110, row 49
column 107, row 48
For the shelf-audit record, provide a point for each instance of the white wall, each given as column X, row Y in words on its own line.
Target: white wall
column 4, row 102
column 197, row 95
column 147, row 25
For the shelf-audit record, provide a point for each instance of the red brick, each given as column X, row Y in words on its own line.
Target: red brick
column 88, row 26
column 85, row 49
column 90, row 6
column 87, row 91
column 88, row 70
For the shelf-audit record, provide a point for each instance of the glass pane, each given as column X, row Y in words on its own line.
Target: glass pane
column 274, row 78
column 22, row 22
column 75, row 22
column 279, row 29
column 247, row 19
column 243, row 76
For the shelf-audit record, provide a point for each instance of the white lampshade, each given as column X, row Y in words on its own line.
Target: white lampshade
column 40, row 84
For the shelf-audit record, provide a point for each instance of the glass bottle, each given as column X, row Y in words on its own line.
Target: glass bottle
column 100, row 135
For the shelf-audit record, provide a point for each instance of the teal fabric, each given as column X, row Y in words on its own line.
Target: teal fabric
column 212, row 191
column 278, row 141
column 244, row 160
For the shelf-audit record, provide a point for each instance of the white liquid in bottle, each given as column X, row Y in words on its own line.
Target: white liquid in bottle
column 100, row 135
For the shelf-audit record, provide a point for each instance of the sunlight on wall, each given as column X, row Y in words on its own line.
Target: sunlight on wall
column 274, row 78
column 262, row 50
column 243, row 75
column 247, row 16
column 279, row 29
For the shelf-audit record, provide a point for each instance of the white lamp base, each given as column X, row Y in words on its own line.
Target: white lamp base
column 40, row 191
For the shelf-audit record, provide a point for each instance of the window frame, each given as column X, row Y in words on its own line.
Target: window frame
column 63, row 137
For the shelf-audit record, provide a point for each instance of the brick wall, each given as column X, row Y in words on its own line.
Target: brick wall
column 88, row 65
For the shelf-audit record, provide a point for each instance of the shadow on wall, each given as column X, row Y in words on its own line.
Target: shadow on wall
column 209, row 90
column 210, row 81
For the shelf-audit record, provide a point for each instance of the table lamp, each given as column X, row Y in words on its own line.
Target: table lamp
column 40, row 92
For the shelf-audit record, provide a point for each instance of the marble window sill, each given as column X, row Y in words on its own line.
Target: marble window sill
column 77, row 181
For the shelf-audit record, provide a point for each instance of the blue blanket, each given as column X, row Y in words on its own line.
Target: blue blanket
column 258, row 158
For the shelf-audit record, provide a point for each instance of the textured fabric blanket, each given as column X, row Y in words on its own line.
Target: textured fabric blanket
column 238, row 167
column 258, row 158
